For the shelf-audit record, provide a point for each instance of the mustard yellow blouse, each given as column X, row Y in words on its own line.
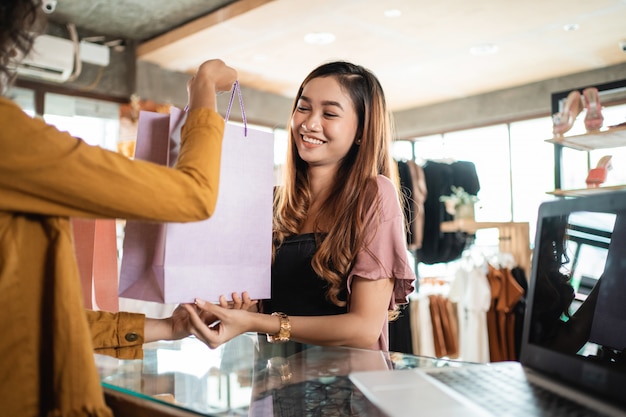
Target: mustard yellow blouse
column 47, row 176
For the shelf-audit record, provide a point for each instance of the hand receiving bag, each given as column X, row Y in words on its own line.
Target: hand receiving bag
column 229, row 252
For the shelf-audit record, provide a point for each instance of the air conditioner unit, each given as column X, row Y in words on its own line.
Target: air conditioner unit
column 51, row 59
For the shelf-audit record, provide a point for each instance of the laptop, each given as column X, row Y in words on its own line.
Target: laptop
column 573, row 357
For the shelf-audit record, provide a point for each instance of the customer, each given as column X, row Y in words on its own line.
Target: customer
column 46, row 176
column 340, row 260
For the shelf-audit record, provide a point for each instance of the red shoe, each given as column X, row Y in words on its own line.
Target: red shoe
column 593, row 118
column 597, row 175
column 564, row 120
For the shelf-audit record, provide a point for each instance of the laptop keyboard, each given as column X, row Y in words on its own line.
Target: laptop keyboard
column 505, row 391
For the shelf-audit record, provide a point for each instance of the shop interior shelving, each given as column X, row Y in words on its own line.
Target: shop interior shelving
column 609, row 138
column 604, row 139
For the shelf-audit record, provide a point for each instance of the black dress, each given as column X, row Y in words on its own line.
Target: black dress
column 296, row 289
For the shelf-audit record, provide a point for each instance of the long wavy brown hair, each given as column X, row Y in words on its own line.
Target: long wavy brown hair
column 354, row 191
column 18, row 18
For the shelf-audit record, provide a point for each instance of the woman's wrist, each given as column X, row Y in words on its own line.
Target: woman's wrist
column 284, row 330
column 205, row 98
column 158, row 329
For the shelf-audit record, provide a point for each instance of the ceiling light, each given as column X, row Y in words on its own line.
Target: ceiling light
column 319, row 38
column 484, row 49
column 393, row 13
column 570, row 27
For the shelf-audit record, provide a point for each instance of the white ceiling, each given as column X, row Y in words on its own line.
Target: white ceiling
column 421, row 57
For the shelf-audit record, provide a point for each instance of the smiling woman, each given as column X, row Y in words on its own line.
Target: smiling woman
column 340, row 265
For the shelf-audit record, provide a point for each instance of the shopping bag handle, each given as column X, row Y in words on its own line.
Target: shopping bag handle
column 236, row 88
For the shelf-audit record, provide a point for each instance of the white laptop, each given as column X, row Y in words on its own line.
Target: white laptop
column 581, row 359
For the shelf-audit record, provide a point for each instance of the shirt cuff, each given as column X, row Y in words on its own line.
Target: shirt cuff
column 120, row 335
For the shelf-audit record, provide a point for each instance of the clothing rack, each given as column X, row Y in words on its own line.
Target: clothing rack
column 513, row 237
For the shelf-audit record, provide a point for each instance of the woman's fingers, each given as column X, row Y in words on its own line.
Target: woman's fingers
column 203, row 330
column 223, row 301
column 215, row 324
column 238, row 302
column 247, row 302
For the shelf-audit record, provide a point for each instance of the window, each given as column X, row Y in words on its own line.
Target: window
column 488, row 149
column 612, row 116
column 24, row 98
column 532, row 169
column 96, row 122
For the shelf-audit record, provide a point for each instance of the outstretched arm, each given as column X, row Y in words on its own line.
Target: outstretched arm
column 360, row 327
column 123, row 334
column 180, row 325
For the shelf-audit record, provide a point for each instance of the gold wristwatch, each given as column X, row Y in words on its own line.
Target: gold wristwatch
column 285, row 329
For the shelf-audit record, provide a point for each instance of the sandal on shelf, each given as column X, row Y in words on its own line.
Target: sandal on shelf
column 564, row 120
column 593, row 118
column 597, row 175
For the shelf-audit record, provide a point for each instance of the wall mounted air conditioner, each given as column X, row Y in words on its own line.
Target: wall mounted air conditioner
column 51, row 59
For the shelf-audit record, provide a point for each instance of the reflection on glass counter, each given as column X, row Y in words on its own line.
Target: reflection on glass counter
column 248, row 376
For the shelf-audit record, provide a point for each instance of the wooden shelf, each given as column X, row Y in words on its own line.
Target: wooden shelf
column 470, row 226
column 609, row 138
column 580, row 192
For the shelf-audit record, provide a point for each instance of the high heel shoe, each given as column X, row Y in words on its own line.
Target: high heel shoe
column 564, row 120
column 593, row 118
column 597, row 175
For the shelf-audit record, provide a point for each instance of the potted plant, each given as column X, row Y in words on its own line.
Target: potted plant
column 460, row 203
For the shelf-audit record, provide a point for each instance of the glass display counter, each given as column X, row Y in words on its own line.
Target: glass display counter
column 246, row 377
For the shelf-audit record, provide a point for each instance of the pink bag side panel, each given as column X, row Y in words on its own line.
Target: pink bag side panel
column 138, row 279
column 143, row 245
column 153, row 131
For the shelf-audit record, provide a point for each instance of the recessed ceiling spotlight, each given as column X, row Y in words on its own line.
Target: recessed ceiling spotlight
column 484, row 49
column 319, row 38
column 392, row 13
column 571, row 27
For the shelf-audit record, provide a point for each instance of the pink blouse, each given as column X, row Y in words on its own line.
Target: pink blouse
column 387, row 253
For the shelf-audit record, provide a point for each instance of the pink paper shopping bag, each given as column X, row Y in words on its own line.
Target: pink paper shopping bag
column 95, row 245
column 231, row 251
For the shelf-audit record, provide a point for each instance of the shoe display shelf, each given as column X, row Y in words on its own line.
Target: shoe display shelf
column 611, row 138
column 603, row 139
column 581, row 192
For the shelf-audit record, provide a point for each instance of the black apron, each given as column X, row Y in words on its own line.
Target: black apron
column 296, row 289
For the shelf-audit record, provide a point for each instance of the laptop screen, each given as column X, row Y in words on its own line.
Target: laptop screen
column 575, row 327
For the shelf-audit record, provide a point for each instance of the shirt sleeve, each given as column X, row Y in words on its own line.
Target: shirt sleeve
column 49, row 172
column 120, row 335
column 386, row 253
